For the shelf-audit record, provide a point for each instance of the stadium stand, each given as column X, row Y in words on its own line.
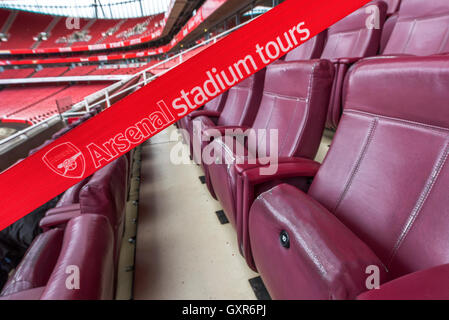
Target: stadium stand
column 310, row 229
column 38, row 103
column 16, row 99
column 80, row 71
column 16, row 73
column 50, row 72
column 26, row 30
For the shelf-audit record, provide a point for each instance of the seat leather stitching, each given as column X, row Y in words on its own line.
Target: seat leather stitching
column 427, row 190
column 268, row 93
column 358, row 162
column 308, row 104
column 411, row 32
column 406, row 123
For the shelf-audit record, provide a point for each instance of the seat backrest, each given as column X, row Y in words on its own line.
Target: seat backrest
column 88, row 245
column 386, row 175
column 72, row 195
column 217, row 104
column 350, row 37
column 38, row 263
column 389, row 25
column 295, row 100
column 311, row 49
column 105, row 193
column 393, row 6
column 422, row 28
column 243, row 101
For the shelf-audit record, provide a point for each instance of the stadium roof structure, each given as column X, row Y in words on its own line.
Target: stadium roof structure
column 97, row 9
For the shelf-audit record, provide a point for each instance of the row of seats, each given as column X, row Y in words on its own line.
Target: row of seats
column 378, row 198
column 84, row 230
column 37, row 103
column 16, row 73
column 50, row 72
column 72, row 72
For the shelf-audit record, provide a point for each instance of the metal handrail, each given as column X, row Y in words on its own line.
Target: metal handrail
column 106, row 92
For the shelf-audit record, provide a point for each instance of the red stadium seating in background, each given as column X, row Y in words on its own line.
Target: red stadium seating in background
column 36, row 103
column 50, row 72
column 80, row 71
column 16, row 73
column 26, row 26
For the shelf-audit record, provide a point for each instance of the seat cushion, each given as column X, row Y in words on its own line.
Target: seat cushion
column 322, row 258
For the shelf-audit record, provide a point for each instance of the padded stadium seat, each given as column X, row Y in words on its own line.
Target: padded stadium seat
column 312, row 49
column 240, row 109
column 72, row 195
column 419, row 28
column 348, row 41
column 294, row 103
column 389, row 25
column 86, row 242
column 36, row 266
column 215, row 105
column 393, row 6
column 379, row 200
column 105, row 193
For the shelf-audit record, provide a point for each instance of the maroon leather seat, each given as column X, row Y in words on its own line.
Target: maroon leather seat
column 421, row 29
column 392, row 14
column 215, row 105
column 36, row 266
column 105, row 194
column 418, row 28
column 87, row 243
column 393, row 6
column 240, row 109
column 379, row 199
column 311, row 49
column 72, row 195
column 348, row 41
column 294, row 105
column 389, row 25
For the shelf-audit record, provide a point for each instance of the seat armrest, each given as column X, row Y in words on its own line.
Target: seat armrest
column 321, row 258
column 220, row 131
column 56, row 220
column 63, row 209
column 389, row 56
column 428, row 284
column 289, row 166
column 346, row 60
column 206, row 113
column 249, row 176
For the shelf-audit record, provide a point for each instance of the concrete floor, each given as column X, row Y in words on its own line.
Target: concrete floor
column 183, row 252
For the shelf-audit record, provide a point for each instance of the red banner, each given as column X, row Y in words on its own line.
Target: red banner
column 139, row 116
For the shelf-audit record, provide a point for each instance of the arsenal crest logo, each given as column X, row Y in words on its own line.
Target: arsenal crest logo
column 66, row 160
